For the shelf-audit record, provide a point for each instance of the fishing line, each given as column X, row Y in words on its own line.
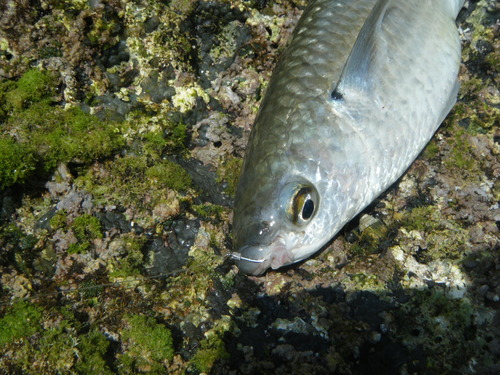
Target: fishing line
column 121, row 283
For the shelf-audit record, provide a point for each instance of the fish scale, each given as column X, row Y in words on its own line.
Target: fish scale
column 355, row 97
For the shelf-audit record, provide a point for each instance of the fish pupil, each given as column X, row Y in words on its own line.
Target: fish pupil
column 308, row 209
column 336, row 95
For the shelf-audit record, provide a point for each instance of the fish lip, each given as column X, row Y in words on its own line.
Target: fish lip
column 248, row 264
column 275, row 255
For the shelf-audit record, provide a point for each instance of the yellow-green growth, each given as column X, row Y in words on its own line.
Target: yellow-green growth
column 36, row 132
column 369, row 239
column 55, row 349
column 432, row 150
column 460, row 156
column 154, row 144
column 92, row 349
column 208, row 210
column 59, row 220
column 425, row 219
column 86, row 228
column 444, row 237
column 17, row 161
column 210, row 351
column 230, row 173
column 22, row 320
column 34, row 86
column 132, row 259
column 169, row 174
column 148, row 345
column 212, row 348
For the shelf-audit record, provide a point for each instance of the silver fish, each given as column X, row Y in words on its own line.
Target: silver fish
column 356, row 96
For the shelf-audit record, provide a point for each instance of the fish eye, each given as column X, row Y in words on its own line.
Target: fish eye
column 303, row 205
column 308, row 209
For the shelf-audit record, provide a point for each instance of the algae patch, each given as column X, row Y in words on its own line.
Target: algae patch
column 40, row 134
column 22, row 320
column 86, row 228
column 148, row 345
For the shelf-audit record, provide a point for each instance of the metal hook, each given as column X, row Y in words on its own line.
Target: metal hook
column 238, row 256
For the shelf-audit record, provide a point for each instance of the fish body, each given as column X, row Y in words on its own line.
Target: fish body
column 356, row 96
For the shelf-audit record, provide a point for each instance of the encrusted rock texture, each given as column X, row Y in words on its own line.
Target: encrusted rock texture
column 122, row 129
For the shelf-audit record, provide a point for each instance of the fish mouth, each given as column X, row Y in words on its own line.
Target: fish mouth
column 255, row 260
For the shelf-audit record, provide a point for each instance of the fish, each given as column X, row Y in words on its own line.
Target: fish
column 357, row 94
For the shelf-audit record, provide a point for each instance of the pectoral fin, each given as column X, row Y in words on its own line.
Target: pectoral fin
column 368, row 48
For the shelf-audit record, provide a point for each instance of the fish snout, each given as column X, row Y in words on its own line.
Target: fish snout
column 252, row 260
column 255, row 260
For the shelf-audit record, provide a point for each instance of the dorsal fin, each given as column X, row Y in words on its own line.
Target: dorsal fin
column 356, row 73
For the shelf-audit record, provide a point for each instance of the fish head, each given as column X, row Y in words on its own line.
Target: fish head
column 278, row 224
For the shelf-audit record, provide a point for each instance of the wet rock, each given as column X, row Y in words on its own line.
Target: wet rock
column 205, row 181
column 156, row 88
column 114, row 220
column 44, row 221
column 165, row 256
column 220, row 34
column 112, row 108
column 7, row 205
column 71, row 202
column 367, row 306
column 115, row 55
column 60, row 182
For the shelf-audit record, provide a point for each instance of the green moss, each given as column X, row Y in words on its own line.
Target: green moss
column 132, row 182
column 444, row 238
column 17, row 161
column 58, row 347
column 59, row 220
column 34, row 86
column 425, row 219
column 205, row 357
column 169, row 174
column 432, row 150
column 86, row 228
column 61, row 135
column 460, row 157
column 122, row 183
column 148, row 345
column 46, row 134
column 22, row 320
column 230, row 173
column 177, row 136
column 55, row 348
column 440, row 326
column 485, row 119
column 208, row 210
column 471, row 87
column 212, row 348
column 129, row 168
column 92, row 349
column 154, row 144
column 132, row 260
